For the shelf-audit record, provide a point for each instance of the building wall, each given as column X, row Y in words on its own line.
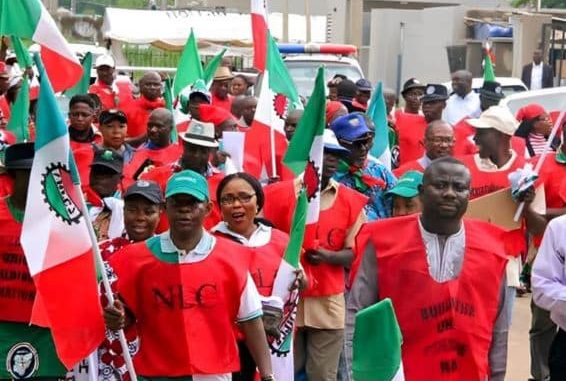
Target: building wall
column 427, row 33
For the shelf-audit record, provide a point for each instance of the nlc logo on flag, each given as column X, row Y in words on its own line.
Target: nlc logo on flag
column 59, row 193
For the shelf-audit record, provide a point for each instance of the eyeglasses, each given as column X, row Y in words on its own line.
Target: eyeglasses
column 231, row 199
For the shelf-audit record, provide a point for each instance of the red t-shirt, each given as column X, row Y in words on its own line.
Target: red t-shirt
column 138, row 112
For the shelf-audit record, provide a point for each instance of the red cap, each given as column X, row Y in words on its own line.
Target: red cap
column 214, row 114
column 331, row 108
column 530, row 112
column 3, row 69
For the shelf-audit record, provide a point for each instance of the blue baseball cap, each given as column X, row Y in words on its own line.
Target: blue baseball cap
column 363, row 84
column 350, row 127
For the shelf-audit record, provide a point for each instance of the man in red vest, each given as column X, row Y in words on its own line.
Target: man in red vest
column 453, row 321
column 138, row 110
column 320, row 316
column 82, row 132
column 184, row 294
column 438, row 142
column 112, row 93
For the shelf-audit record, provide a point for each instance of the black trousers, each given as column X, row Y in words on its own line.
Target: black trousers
column 557, row 359
column 247, row 364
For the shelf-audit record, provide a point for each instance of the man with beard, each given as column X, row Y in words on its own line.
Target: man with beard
column 452, row 320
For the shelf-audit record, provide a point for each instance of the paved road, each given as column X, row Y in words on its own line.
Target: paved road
column 518, row 363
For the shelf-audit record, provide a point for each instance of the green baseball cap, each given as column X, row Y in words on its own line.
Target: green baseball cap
column 187, row 182
column 408, row 185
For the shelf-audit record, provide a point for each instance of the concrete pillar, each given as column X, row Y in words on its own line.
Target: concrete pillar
column 355, row 21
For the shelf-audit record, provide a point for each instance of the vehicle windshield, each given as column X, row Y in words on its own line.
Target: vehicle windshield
column 304, row 73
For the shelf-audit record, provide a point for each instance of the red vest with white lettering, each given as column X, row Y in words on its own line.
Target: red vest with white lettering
column 483, row 183
column 447, row 327
column 331, row 232
column 184, row 312
column 17, row 290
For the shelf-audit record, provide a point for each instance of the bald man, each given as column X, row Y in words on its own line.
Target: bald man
column 464, row 102
column 138, row 111
column 438, row 142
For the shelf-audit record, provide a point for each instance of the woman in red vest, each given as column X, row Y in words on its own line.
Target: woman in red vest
column 240, row 198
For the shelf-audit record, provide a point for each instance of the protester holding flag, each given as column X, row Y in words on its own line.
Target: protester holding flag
column 142, row 205
column 25, row 350
column 216, row 292
column 138, row 110
column 355, row 133
column 82, row 131
column 423, row 276
column 241, row 198
column 322, row 307
column 112, row 93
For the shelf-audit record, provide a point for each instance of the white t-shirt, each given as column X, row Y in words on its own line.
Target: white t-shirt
column 536, row 77
column 458, row 108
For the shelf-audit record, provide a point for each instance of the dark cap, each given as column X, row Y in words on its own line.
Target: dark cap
column 147, row 189
column 412, row 83
column 111, row 115
column 109, row 158
column 492, row 90
column 363, row 84
column 19, row 156
column 434, row 93
column 346, row 89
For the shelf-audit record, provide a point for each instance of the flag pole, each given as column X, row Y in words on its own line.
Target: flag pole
column 273, row 155
column 105, row 281
column 542, row 157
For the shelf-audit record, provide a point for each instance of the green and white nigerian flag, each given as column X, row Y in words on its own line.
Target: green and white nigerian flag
column 377, row 111
column 377, row 344
column 305, row 159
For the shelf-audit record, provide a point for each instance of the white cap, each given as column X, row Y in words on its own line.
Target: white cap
column 200, row 134
column 498, row 118
column 105, row 60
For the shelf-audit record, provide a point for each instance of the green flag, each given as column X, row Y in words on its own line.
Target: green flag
column 280, row 82
column 22, row 54
column 82, row 85
column 168, row 96
column 488, row 73
column 190, row 66
column 304, row 156
column 211, row 67
column 377, row 344
column 19, row 119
